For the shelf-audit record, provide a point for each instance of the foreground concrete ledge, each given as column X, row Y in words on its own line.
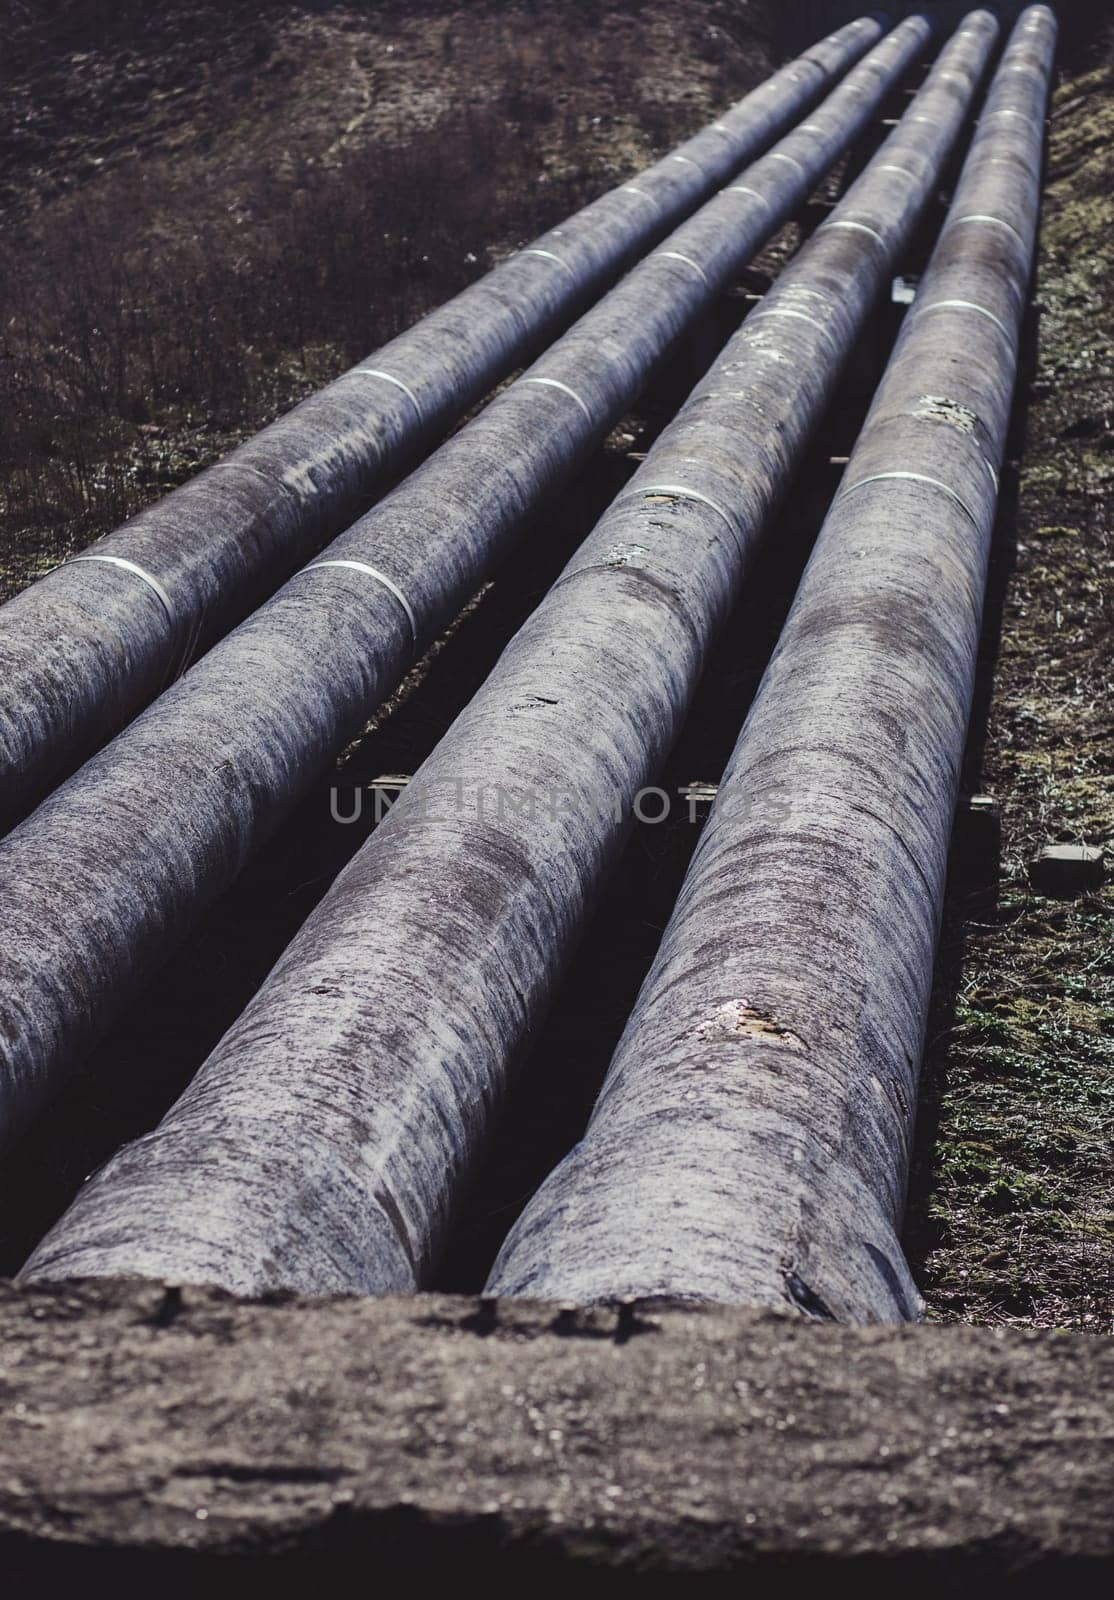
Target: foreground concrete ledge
column 149, row 1436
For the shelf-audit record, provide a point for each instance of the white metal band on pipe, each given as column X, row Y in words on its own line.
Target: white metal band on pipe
column 632, row 188
column 859, row 227
column 912, row 477
column 967, row 305
column 989, row 465
column 389, row 377
column 555, row 383
column 997, row 222
column 741, row 188
column 675, row 255
column 780, row 155
column 681, row 492
column 379, row 577
column 137, row 571
column 784, row 311
column 1011, row 161
column 549, row 255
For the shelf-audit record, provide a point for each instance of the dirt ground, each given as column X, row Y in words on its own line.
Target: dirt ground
column 183, row 1444
column 202, row 135
column 91, row 87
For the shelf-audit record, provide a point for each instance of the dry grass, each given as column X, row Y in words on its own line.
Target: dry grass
column 210, row 214
column 180, row 314
column 1013, row 1202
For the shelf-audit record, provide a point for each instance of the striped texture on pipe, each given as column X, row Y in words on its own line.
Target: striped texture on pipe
column 78, row 659
column 752, row 1138
column 326, row 1142
column 181, row 799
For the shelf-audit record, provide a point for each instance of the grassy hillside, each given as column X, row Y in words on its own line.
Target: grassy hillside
column 210, row 212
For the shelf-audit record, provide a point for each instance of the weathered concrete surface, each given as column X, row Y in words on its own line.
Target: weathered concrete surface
column 150, row 1442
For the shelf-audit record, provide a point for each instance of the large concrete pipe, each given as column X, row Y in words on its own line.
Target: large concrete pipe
column 326, row 1141
column 83, row 649
column 751, row 1141
column 102, row 881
